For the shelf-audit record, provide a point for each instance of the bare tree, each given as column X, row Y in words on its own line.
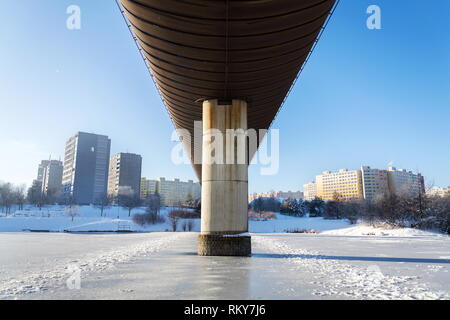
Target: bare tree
column 72, row 211
column 6, row 197
column 104, row 202
column 129, row 202
column 173, row 219
column 35, row 196
column 19, row 196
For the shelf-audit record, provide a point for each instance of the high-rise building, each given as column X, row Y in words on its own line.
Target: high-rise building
column 405, row 183
column 171, row 192
column 375, row 182
column 86, row 161
column 125, row 174
column 310, row 191
column 52, row 177
column 42, row 166
column 345, row 183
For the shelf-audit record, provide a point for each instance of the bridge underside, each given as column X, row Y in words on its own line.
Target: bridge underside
column 247, row 50
column 231, row 64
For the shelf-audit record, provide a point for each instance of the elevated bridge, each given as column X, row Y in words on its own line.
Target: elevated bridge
column 230, row 63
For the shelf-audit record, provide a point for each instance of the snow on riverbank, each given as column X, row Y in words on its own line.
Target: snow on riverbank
column 366, row 230
column 56, row 219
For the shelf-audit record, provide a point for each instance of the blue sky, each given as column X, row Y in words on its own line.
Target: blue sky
column 368, row 97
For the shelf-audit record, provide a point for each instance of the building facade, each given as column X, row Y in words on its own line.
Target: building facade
column 345, row 183
column 125, row 174
column 437, row 192
column 172, row 192
column 276, row 194
column 310, row 191
column 86, row 163
column 42, row 166
column 52, row 178
column 405, row 183
column 366, row 183
column 375, row 182
column 148, row 187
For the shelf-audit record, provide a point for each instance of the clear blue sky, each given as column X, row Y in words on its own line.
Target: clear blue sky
column 366, row 96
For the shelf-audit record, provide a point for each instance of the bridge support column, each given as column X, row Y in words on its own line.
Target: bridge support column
column 224, row 223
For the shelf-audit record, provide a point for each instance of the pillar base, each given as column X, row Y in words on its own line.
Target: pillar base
column 224, row 245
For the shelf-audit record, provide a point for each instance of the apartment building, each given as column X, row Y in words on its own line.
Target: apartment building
column 346, row 183
column 148, row 187
column 276, row 194
column 375, row 182
column 366, row 183
column 171, row 192
column 405, row 183
column 124, row 174
column 86, row 163
column 310, row 191
column 52, row 178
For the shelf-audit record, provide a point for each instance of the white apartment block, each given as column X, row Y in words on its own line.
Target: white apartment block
column 405, row 183
column 375, row 182
column 310, row 191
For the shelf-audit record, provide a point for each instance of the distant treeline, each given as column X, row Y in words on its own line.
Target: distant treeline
column 421, row 211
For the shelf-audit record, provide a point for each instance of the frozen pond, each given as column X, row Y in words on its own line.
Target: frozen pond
column 165, row 266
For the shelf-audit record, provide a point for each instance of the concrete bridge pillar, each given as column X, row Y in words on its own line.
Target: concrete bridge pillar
column 224, row 223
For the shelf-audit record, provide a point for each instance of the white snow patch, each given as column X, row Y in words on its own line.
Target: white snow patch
column 56, row 276
column 366, row 230
column 340, row 279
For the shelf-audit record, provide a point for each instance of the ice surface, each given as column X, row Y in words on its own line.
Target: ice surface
column 165, row 266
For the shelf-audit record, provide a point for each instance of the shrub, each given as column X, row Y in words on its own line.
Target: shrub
column 262, row 216
column 301, row 231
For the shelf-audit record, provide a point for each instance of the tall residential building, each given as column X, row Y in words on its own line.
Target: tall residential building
column 310, row 191
column 148, row 187
column 125, row 174
column 52, row 177
column 402, row 182
column 86, row 161
column 346, row 183
column 42, row 166
column 375, row 182
column 172, row 192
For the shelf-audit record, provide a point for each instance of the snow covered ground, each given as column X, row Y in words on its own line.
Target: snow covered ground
column 55, row 219
column 343, row 261
column 164, row 266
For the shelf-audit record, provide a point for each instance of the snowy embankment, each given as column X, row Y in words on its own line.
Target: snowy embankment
column 56, row 219
column 366, row 230
column 88, row 219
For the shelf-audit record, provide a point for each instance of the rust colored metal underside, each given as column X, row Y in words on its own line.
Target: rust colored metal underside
column 250, row 50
